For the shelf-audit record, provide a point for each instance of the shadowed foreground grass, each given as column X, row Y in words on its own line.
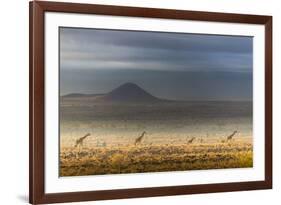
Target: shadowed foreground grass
column 155, row 158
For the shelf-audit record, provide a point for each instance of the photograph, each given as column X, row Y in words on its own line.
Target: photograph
column 133, row 101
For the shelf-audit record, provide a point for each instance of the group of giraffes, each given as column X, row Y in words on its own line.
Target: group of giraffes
column 79, row 142
column 138, row 140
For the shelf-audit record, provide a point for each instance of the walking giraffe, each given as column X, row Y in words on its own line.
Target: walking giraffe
column 80, row 141
column 191, row 140
column 231, row 136
column 139, row 139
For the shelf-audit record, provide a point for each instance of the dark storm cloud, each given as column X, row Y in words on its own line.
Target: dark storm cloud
column 138, row 56
column 101, row 49
column 155, row 40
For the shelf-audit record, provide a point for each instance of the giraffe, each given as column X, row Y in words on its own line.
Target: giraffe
column 231, row 136
column 191, row 140
column 79, row 142
column 139, row 139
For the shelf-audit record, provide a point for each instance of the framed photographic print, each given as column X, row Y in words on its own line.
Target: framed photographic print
column 139, row 102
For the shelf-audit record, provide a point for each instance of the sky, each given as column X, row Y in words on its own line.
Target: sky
column 178, row 66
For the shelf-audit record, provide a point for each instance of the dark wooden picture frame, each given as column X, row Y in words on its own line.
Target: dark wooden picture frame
column 37, row 193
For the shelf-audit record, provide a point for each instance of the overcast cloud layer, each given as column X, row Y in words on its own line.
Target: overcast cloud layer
column 168, row 65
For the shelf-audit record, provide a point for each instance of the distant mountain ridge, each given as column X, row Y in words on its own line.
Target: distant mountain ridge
column 73, row 95
column 128, row 92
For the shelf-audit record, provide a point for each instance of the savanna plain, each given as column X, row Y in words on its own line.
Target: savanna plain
column 99, row 138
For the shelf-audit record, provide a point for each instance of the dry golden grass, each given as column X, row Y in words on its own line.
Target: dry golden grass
column 211, row 154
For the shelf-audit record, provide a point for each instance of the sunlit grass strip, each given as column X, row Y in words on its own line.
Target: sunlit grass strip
column 155, row 158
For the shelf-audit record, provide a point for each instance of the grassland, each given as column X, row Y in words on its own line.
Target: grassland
column 114, row 128
column 209, row 153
